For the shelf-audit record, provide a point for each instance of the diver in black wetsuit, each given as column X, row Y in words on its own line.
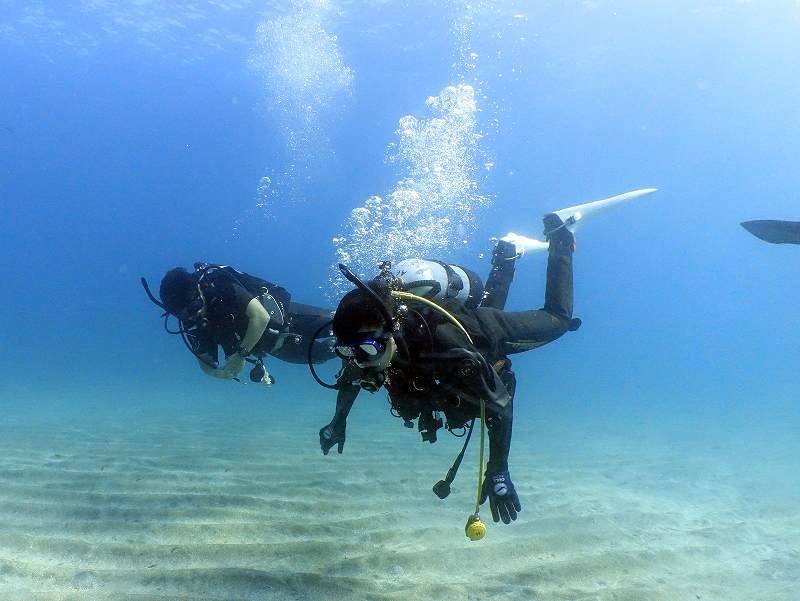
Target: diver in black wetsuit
column 429, row 367
column 248, row 317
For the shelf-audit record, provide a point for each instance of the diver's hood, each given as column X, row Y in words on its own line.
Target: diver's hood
column 360, row 307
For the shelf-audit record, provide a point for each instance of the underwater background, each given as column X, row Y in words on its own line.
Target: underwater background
column 655, row 449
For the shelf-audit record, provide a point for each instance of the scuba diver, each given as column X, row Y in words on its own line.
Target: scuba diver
column 449, row 359
column 776, row 232
column 248, row 317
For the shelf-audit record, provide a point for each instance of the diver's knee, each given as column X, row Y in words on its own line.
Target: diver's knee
column 574, row 323
column 564, row 324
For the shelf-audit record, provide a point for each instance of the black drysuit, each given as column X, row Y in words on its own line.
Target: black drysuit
column 436, row 369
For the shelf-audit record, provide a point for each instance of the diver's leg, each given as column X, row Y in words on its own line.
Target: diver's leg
column 295, row 350
column 504, row 259
column 520, row 331
column 559, row 289
column 304, row 322
column 322, row 351
column 304, row 309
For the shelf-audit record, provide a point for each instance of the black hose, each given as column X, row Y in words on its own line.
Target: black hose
column 348, row 273
column 442, row 487
column 310, row 358
column 150, row 294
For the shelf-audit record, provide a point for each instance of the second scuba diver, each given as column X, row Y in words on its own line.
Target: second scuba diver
column 248, row 317
column 450, row 360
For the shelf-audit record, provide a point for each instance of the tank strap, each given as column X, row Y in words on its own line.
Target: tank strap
column 454, row 283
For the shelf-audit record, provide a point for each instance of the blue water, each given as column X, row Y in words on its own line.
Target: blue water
column 133, row 138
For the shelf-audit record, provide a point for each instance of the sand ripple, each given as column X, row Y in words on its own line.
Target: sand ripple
column 217, row 511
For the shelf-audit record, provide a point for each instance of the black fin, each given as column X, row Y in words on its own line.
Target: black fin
column 776, row 232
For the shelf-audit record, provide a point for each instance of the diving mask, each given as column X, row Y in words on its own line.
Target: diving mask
column 364, row 351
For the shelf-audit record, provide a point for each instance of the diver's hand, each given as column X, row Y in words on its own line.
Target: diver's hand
column 233, row 366
column 332, row 435
column 502, row 495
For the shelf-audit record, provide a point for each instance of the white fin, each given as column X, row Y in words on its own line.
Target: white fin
column 572, row 216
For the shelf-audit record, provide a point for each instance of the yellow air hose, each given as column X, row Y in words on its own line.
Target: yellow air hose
column 421, row 299
column 475, row 529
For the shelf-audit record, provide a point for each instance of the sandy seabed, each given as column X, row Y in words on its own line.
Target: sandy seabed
column 228, row 506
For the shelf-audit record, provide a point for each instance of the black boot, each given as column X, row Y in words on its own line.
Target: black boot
column 503, row 252
column 561, row 240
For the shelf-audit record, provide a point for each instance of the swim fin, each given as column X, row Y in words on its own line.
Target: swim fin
column 572, row 216
column 776, row 232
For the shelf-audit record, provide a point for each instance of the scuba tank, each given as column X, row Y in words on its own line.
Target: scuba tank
column 436, row 280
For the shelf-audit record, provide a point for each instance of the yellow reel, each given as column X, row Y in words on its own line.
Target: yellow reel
column 475, row 528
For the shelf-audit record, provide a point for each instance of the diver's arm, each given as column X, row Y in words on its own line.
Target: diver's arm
column 257, row 321
column 498, row 487
column 499, row 426
column 206, row 352
column 334, row 433
column 205, row 361
column 345, row 398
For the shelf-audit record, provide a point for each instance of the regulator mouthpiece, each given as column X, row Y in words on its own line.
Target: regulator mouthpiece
column 372, row 381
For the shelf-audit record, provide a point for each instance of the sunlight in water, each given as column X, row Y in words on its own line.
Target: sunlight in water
column 303, row 73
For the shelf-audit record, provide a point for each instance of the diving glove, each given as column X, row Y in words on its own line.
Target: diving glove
column 332, row 435
column 502, row 495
